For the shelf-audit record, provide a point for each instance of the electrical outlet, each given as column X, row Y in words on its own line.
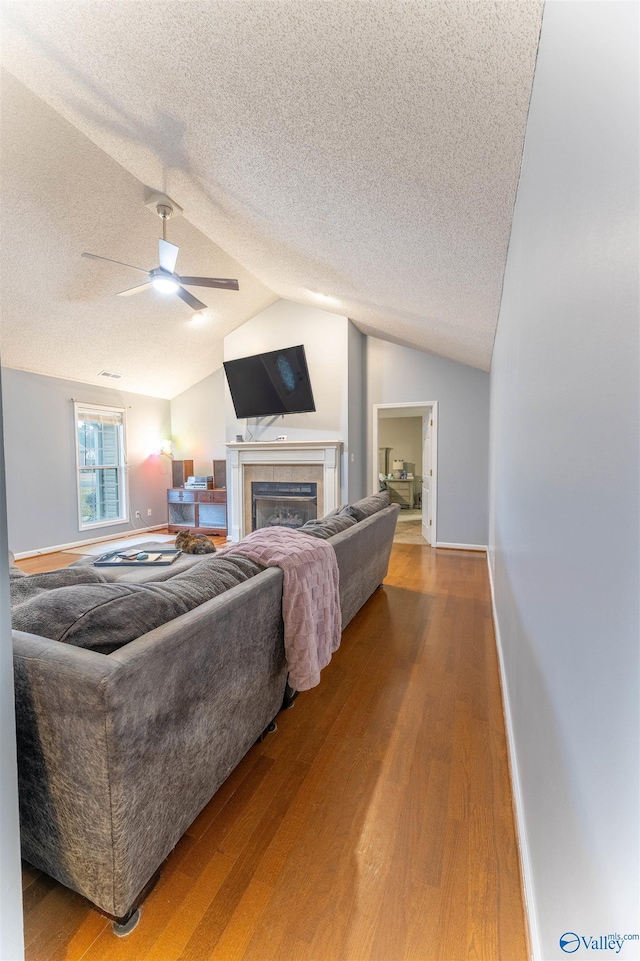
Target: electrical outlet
column 149, row 512
column 138, row 514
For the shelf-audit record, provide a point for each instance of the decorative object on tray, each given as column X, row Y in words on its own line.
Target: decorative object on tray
column 133, row 558
column 195, row 543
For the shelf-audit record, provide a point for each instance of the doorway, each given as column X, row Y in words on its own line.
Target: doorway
column 405, row 456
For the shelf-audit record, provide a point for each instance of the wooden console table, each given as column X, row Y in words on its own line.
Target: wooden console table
column 401, row 492
column 199, row 511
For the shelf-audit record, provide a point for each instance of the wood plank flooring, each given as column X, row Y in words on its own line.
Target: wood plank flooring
column 375, row 825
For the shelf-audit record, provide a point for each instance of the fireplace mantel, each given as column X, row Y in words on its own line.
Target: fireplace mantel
column 324, row 453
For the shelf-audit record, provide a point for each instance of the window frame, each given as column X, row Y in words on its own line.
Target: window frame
column 121, row 466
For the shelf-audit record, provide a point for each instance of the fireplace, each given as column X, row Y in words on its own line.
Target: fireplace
column 281, row 462
column 282, row 504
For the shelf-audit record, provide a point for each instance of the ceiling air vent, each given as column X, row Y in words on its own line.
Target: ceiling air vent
column 109, row 373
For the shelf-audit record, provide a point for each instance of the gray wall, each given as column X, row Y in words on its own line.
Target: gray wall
column 40, row 459
column 203, row 418
column 398, row 375
column 326, row 343
column 198, row 423
column 357, row 416
column 11, row 941
column 324, row 336
column 564, row 480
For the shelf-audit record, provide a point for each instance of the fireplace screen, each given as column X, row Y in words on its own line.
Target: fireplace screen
column 283, row 504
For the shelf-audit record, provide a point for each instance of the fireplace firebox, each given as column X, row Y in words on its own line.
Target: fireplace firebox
column 282, row 504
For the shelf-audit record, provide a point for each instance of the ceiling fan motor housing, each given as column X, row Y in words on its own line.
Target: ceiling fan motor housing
column 164, row 211
column 164, row 281
column 161, row 272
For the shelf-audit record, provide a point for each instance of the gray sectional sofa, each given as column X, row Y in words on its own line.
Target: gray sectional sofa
column 119, row 752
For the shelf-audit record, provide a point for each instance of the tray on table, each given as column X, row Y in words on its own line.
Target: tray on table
column 161, row 557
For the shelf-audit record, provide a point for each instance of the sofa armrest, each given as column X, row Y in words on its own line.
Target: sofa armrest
column 65, row 812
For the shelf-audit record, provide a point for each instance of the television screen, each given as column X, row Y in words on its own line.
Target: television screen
column 273, row 383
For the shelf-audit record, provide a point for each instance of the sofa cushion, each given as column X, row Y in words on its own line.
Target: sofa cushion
column 328, row 526
column 368, row 505
column 25, row 587
column 103, row 616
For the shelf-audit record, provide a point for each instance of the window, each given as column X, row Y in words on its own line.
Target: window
column 100, row 450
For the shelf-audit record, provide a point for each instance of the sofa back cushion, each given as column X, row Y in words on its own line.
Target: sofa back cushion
column 24, row 587
column 102, row 617
column 328, row 526
column 368, row 505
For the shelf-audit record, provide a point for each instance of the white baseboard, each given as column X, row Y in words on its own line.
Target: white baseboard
column 523, row 847
column 95, row 540
column 462, row 547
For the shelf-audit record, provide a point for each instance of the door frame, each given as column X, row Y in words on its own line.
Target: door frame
column 433, row 404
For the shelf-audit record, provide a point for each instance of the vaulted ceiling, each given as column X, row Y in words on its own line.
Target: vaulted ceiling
column 367, row 152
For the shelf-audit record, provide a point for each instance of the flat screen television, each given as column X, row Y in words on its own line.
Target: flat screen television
column 276, row 382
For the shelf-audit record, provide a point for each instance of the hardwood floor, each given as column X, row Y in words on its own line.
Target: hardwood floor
column 47, row 562
column 375, row 825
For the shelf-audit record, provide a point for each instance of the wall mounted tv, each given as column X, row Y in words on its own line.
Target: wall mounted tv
column 273, row 383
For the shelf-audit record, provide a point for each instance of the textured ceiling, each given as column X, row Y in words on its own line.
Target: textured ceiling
column 60, row 316
column 367, row 151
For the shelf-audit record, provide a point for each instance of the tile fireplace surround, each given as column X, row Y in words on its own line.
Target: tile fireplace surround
column 315, row 462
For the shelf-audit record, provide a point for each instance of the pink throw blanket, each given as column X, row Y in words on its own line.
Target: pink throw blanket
column 310, row 596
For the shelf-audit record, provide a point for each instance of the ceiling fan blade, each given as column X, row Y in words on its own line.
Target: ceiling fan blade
column 224, row 282
column 167, row 255
column 188, row 298
column 110, row 261
column 133, row 290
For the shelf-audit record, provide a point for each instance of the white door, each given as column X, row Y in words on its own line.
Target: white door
column 427, row 516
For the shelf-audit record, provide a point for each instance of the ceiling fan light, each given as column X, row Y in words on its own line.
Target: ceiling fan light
column 166, row 285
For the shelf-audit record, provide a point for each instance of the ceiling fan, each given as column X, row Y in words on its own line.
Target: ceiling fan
column 163, row 277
